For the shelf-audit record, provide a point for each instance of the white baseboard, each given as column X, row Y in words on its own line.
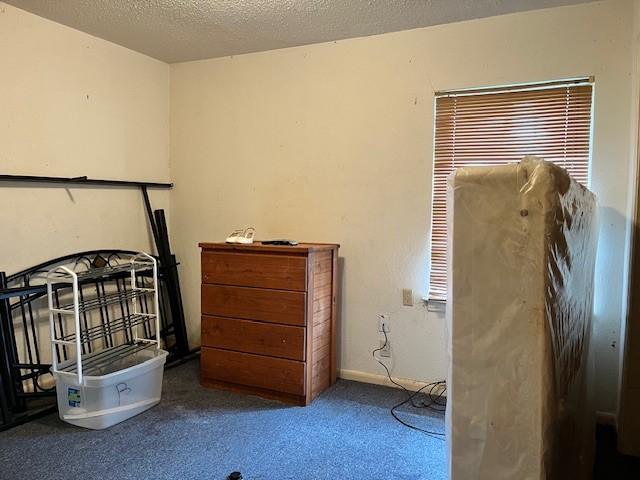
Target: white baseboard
column 376, row 379
column 602, row 418
column 607, row 418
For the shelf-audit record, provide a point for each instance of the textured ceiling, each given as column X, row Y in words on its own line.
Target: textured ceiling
column 181, row 30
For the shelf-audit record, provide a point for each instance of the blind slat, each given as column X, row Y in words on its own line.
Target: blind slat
column 497, row 128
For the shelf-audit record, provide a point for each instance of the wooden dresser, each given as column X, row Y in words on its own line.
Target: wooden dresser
column 269, row 319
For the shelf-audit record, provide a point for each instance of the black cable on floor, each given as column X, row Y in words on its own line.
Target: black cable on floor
column 434, row 399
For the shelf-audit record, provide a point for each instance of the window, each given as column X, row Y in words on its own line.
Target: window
column 499, row 126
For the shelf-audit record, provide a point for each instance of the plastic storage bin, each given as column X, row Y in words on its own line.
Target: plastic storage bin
column 134, row 385
column 112, row 364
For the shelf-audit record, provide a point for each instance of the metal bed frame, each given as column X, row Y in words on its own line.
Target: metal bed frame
column 23, row 364
column 26, row 386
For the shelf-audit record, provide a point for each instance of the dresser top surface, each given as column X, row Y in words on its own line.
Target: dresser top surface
column 258, row 246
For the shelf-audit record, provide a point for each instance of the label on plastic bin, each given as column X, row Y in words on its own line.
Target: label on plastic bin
column 74, row 397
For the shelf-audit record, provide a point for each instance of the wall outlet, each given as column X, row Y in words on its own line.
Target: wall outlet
column 407, row 297
column 383, row 323
column 385, row 350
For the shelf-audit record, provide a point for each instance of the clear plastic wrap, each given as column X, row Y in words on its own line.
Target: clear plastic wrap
column 522, row 246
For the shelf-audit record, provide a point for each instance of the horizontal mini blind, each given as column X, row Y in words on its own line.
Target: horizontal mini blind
column 495, row 127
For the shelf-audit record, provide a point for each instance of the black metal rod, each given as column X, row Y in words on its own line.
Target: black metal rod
column 152, row 223
column 7, row 394
column 168, row 260
column 37, row 291
column 47, row 265
column 30, row 415
column 82, row 181
column 9, row 353
column 168, row 266
column 5, row 413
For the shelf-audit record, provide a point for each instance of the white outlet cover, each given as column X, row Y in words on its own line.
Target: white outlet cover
column 386, row 351
column 407, row 297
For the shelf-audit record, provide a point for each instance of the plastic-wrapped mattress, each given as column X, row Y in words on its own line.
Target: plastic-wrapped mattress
column 522, row 242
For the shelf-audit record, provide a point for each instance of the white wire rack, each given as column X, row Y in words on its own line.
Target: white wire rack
column 97, row 362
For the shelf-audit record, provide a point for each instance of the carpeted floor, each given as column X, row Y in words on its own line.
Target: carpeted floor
column 197, row 433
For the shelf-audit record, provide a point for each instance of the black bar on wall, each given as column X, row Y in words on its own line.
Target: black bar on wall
column 13, row 405
column 82, row 181
column 160, row 236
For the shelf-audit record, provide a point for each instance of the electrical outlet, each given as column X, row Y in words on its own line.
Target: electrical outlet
column 407, row 297
column 383, row 323
column 385, row 349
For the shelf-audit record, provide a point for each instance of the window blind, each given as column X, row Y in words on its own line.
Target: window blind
column 495, row 127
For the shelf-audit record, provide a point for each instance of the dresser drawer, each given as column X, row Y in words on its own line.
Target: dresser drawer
column 276, row 306
column 261, row 338
column 269, row 373
column 282, row 272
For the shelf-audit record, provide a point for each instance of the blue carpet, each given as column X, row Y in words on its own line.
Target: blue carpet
column 198, row 433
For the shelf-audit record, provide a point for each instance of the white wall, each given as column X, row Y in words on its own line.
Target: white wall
column 333, row 142
column 329, row 142
column 72, row 105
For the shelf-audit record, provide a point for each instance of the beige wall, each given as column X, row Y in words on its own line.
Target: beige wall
column 73, row 105
column 333, row 142
column 329, row 142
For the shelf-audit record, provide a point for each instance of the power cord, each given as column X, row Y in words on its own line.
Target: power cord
column 435, row 400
